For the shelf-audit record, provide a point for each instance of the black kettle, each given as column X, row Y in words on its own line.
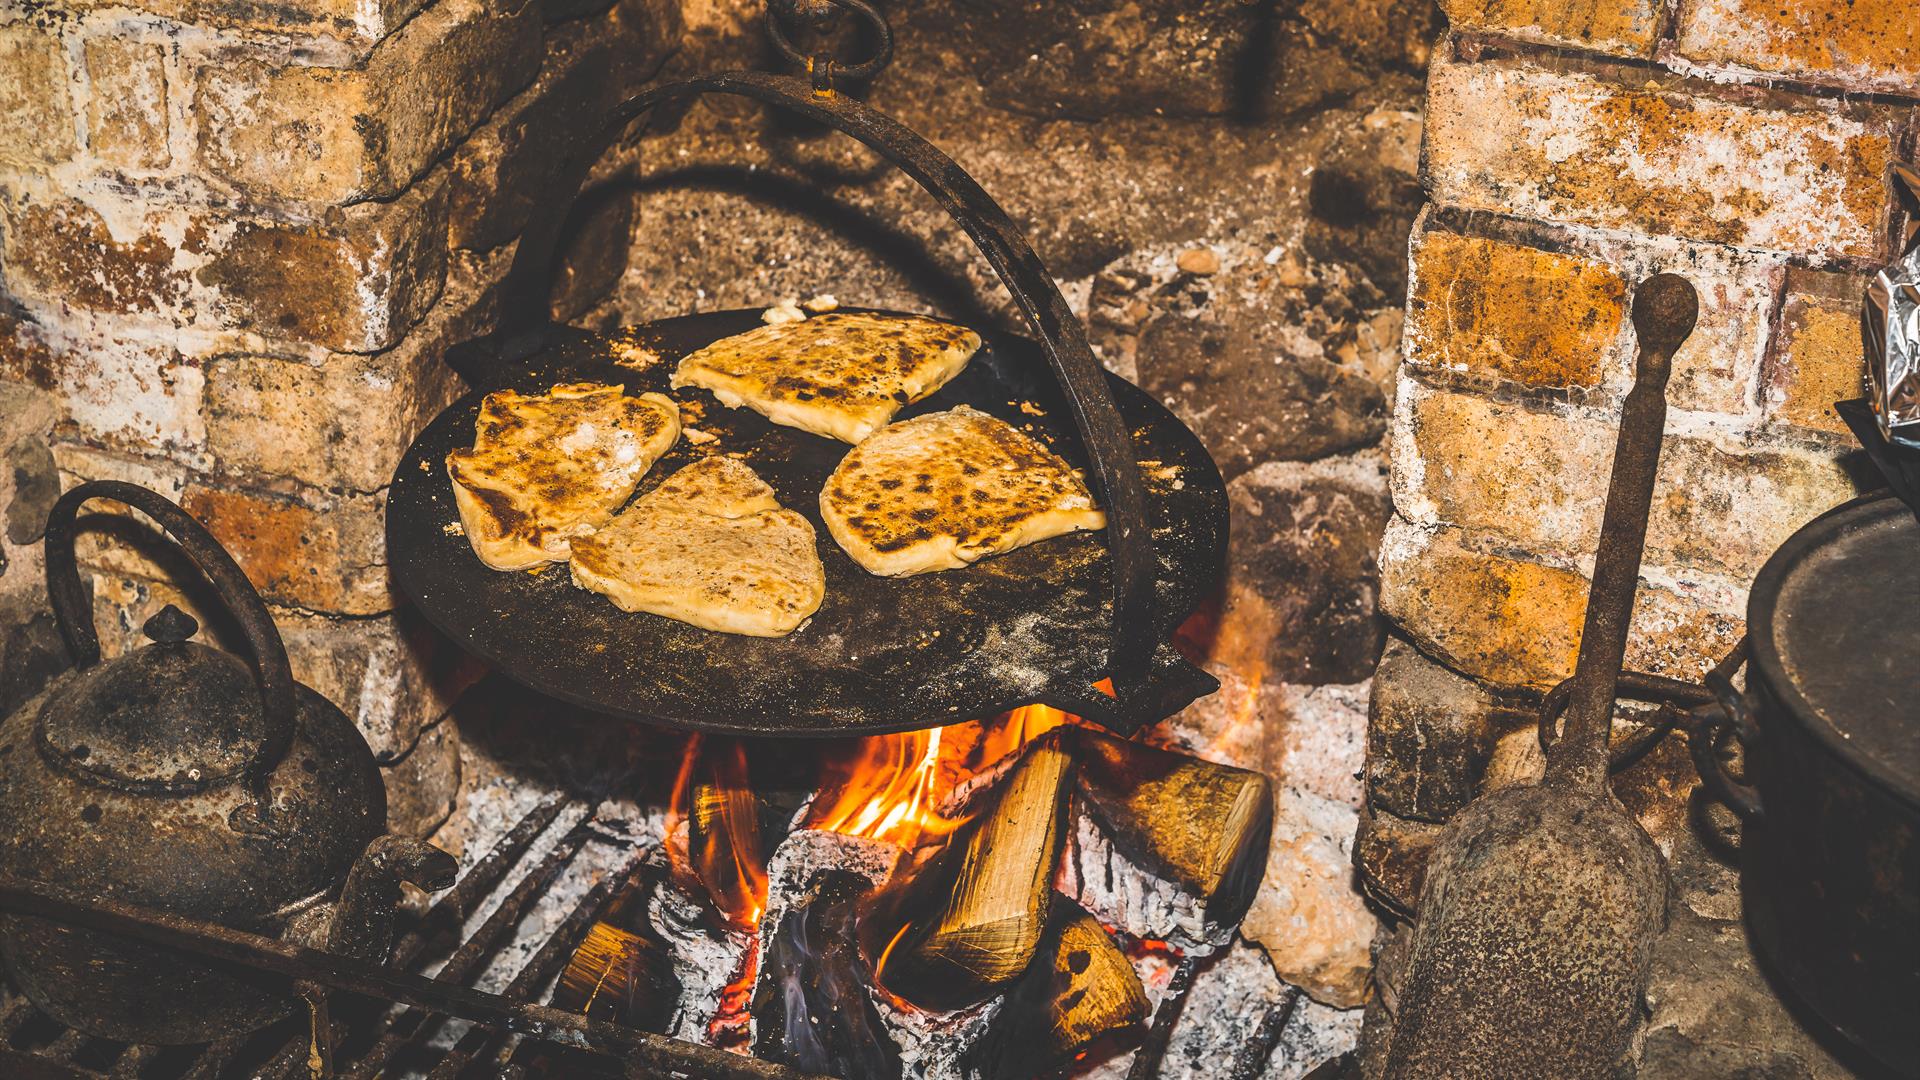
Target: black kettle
column 181, row 778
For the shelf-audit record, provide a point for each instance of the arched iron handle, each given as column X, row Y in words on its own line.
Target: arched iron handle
column 525, row 324
column 74, row 615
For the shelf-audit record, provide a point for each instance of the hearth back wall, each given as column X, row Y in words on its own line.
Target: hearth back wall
column 236, row 238
column 1568, row 156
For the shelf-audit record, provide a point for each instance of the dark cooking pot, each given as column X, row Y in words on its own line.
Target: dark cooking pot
column 186, row 779
column 1830, row 725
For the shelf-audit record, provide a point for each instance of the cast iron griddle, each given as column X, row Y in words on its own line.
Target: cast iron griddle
column 881, row 654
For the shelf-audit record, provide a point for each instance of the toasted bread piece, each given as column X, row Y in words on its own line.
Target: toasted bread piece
column 712, row 547
column 839, row 375
column 545, row 468
column 945, row 489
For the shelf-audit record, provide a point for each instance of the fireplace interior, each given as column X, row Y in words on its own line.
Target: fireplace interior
column 1331, row 302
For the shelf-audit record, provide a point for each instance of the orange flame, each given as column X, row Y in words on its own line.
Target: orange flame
column 895, row 788
column 712, row 794
column 882, row 791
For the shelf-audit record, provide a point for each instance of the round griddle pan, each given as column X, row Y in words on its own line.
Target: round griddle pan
column 1042, row 624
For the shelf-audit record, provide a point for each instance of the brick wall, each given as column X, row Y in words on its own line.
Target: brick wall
column 1572, row 148
column 236, row 238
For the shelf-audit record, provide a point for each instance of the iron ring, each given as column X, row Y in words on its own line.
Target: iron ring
column 865, row 69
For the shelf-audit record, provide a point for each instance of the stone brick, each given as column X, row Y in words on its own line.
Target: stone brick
column 113, row 541
column 331, row 135
column 1818, row 356
column 79, row 462
column 26, row 411
column 1363, row 197
column 1301, row 581
column 1532, row 304
column 1430, row 734
column 1619, row 27
column 1515, row 623
column 1316, row 929
column 66, row 250
column 126, row 103
column 504, row 169
column 122, row 602
column 355, row 24
column 1390, row 853
column 1538, row 477
column 1731, row 507
column 1250, row 406
column 27, row 479
column 119, row 387
column 36, row 114
column 340, row 425
column 1854, row 44
column 392, row 674
column 1518, row 313
column 326, row 555
column 354, row 282
column 24, row 354
column 421, row 785
column 342, row 422
column 1567, row 146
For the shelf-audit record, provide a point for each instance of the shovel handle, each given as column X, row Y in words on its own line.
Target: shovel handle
column 1665, row 308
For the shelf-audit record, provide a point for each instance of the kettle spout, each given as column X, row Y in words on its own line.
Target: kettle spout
column 362, row 922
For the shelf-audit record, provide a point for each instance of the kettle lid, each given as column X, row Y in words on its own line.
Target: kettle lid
column 173, row 717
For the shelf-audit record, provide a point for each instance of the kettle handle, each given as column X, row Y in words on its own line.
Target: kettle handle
column 72, row 608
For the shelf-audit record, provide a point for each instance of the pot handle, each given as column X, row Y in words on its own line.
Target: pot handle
column 1709, row 725
column 72, row 608
column 525, row 324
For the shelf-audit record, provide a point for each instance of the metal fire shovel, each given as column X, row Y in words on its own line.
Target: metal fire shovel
column 1541, row 903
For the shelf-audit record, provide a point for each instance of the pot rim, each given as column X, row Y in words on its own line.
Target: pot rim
column 1765, row 659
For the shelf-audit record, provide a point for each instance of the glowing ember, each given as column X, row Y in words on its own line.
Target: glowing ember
column 731, row 1026
column 722, row 854
column 892, row 788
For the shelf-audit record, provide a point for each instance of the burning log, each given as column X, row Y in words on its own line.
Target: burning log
column 711, row 961
column 970, row 922
column 621, row 970
column 811, row 1008
column 724, row 856
column 1081, row 987
column 1163, row 845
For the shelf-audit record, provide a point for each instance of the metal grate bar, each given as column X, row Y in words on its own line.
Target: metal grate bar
column 466, row 960
column 539, row 969
column 451, row 911
column 65, row 1046
column 448, row 914
column 21, row 1065
column 441, row 923
column 17, row 1013
column 135, row 1058
column 644, row 1051
column 501, row 1021
column 214, row 1059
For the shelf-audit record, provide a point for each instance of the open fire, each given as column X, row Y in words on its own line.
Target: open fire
column 932, row 908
